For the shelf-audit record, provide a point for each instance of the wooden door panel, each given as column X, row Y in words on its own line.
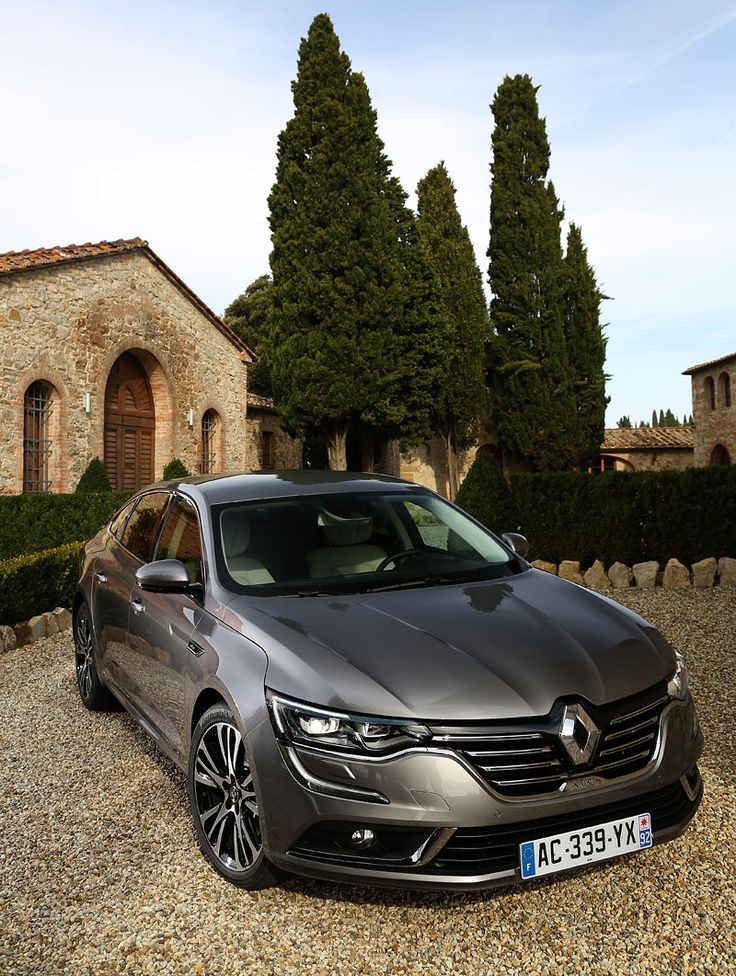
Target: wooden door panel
column 130, row 422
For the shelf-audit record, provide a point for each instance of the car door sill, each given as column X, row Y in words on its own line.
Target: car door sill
column 135, row 713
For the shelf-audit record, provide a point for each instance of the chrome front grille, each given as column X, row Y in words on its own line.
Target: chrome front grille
column 526, row 760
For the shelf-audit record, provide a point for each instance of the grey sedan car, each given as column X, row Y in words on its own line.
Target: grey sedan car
column 364, row 684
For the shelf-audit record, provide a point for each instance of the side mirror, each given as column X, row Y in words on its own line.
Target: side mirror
column 516, row 541
column 164, row 576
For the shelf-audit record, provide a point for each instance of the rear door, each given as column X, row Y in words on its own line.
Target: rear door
column 162, row 624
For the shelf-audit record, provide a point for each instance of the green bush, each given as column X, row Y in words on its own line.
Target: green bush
column 30, row 523
column 485, row 494
column 38, row 582
column 94, row 478
column 175, row 469
column 628, row 517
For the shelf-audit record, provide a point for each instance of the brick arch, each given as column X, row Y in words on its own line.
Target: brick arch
column 59, row 459
column 220, row 433
column 724, row 390
column 162, row 388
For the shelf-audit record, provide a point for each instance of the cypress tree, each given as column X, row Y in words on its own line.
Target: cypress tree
column 586, row 350
column 461, row 401
column 533, row 405
column 249, row 316
column 655, row 422
column 353, row 321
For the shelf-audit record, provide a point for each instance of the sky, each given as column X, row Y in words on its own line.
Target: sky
column 160, row 120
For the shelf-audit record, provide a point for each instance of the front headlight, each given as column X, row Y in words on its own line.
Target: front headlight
column 680, row 680
column 324, row 728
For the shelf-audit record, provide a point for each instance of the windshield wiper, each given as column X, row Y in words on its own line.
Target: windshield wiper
column 417, row 583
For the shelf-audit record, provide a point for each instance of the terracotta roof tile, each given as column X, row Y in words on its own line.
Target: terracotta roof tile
column 647, row 438
column 23, row 260
column 711, row 362
column 258, row 402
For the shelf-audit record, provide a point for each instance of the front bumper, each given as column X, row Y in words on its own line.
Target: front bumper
column 438, row 825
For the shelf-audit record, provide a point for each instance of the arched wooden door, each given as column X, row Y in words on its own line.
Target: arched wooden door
column 130, row 424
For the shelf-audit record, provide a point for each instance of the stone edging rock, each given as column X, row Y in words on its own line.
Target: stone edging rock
column 646, row 575
column 44, row 625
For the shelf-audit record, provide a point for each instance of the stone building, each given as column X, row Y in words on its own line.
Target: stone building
column 713, row 410
column 268, row 446
column 646, row 449
column 105, row 352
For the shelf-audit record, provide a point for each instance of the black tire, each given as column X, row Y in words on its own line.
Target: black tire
column 93, row 693
column 223, row 803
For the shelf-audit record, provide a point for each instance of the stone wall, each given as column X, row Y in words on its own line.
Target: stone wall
column 286, row 451
column 715, row 420
column 427, row 465
column 68, row 323
column 654, row 459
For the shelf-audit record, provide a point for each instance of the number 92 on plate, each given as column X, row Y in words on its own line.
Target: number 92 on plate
column 559, row 852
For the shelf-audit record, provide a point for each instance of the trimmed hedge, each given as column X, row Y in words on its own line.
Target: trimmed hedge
column 38, row 582
column 32, row 523
column 94, row 478
column 627, row 516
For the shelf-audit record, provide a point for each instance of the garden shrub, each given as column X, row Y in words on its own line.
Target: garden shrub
column 30, row 523
column 38, row 582
column 175, row 469
column 94, row 478
column 485, row 494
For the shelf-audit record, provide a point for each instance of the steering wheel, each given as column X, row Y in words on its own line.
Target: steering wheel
column 401, row 555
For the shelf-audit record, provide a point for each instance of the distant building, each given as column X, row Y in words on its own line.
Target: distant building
column 105, row 352
column 268, row 446
column 713, row 410
column 646, row 449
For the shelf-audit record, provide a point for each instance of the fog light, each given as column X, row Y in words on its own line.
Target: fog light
column 362, row 839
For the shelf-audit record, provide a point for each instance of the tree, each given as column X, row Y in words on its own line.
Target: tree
column 532, row 389
column 345, row 300
column 624, row 423
column 249, row 316
column 586, row 350
column 461, row 402
column 655, row 422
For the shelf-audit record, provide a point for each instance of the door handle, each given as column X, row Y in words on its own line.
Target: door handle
column 101, row 577
column 137, row 606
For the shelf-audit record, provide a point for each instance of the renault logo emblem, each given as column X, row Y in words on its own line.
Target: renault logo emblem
column 578, row 734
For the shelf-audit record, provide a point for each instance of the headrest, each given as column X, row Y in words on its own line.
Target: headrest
column 235, row 529
column 345, row 531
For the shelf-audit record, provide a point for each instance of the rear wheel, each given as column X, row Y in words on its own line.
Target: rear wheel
column 93, row 693
column 223, row 802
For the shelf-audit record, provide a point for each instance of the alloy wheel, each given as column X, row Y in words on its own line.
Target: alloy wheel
column 83, row 647
column 225, row 797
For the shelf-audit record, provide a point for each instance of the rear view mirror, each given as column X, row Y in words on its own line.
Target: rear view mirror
column 163, row 576
column 516, row 541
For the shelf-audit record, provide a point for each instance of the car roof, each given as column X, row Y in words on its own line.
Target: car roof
column 244, row 486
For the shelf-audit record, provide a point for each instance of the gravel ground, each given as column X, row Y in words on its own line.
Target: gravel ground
column 100, row 873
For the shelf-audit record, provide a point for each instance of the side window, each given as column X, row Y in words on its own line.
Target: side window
column 181, row 540
column 139, row 535
column 118, row 523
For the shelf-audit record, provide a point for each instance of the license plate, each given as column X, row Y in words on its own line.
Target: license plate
column 559, row 852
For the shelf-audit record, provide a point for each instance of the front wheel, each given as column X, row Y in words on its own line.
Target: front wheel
column 223, row 802
column 93, row 693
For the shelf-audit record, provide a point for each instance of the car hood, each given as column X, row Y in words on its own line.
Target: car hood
column 502, row 648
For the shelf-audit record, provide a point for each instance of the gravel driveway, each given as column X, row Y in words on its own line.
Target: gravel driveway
column 100, row 873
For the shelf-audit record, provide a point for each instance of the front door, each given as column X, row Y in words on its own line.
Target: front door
column 130, row 424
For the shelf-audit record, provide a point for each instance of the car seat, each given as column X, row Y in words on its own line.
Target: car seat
column 235, row 534
column 348, row 551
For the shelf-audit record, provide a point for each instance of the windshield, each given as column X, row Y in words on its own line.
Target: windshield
column 352, row 543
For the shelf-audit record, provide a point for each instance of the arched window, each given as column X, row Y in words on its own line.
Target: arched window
column 719, row 455
column 710, row 392
column 210, row 437
column 37, row 442
column 724, row 390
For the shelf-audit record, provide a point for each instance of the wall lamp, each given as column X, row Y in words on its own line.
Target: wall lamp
column 88, row 403
column 190, row 417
